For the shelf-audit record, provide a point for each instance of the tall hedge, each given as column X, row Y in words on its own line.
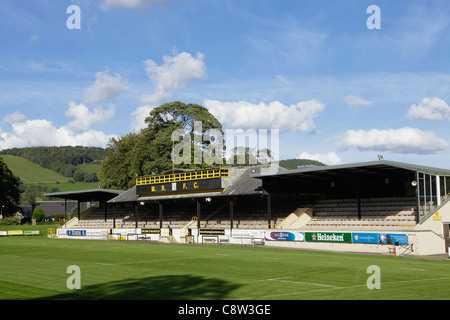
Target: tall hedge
column 38, row 214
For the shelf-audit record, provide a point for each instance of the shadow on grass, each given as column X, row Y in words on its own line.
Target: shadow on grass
column 180, row 287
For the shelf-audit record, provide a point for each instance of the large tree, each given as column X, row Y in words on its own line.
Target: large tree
column 150, row 151
column 123, row 162
column 192, row 120
column 9, row 190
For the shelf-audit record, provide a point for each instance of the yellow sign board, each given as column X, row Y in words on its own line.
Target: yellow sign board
column 437, row 217
column 15, row 232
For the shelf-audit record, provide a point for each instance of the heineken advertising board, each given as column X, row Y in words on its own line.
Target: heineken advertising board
column 328, row 237
column 342, row 237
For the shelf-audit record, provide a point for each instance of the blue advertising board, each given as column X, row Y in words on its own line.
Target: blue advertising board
column 76, row 233
column 380, row 238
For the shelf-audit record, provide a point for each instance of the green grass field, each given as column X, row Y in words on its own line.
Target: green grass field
column 35, row 267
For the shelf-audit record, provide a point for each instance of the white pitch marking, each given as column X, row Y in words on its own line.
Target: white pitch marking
column 299, row 282
column 413, row 269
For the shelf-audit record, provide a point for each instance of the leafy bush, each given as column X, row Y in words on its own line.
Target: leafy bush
column 10, row 221
column 38, row 214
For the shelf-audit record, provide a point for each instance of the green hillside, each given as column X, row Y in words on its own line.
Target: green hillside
column 39, row 180
column 29, row 172
column 295, row 163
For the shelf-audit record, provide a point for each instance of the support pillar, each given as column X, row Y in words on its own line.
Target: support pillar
column 438, row 191
column 65, row 213
column 106, row 210
column 417, row 197
column 269, row 211
column 136, row 213
column 231, row 212
column 358, row 200
column 114, row 216
column 199, row 209
column 199, row 215
column 160, row 211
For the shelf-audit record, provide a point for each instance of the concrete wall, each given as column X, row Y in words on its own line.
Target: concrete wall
column 424, row 242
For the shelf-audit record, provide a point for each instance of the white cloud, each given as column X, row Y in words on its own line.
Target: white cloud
column 432, row 109
column 104, row 88
column 283, row 80
column 33, row 39
column 130, row 4
column 275, row 115
column 330, row 158
column 403, row 140
column 15, row 117
column 140, row 114
column 353, row 101
column 84, row 119
column 174, row 73
column 43, row 133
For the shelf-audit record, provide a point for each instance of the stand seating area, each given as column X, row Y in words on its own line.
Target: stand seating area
column 245, row 217
column 342, row 214
column 376, row 213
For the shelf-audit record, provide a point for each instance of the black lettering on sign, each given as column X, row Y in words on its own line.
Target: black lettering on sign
column 212, row 184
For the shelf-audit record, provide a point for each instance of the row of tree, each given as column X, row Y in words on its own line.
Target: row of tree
column 9, row 191
column 60, row 159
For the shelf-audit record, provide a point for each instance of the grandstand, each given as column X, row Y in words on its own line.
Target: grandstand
column 352, row 207
column 377, row 213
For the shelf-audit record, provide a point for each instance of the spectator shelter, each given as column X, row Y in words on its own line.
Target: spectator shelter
column 359, row 204
column 195, row 196
column 375, row 179
column 94, row 195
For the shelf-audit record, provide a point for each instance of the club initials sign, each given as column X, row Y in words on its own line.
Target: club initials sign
column 204, row 185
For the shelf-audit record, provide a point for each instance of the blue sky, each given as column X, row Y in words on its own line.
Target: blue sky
column 338, row 91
